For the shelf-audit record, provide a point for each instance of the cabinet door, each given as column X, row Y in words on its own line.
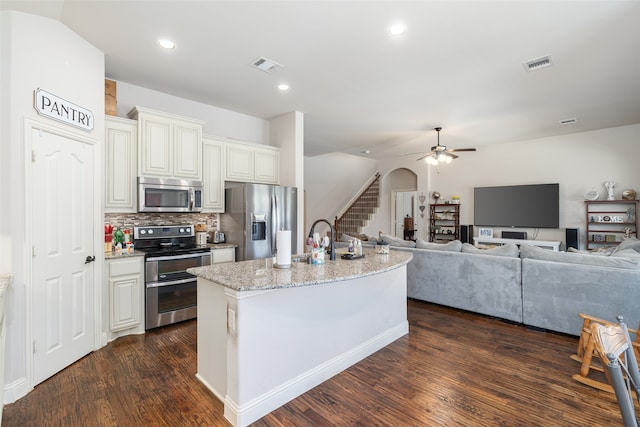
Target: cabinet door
column 155, row 147
column 223, row 255
column 267, row 166
column 126, row 289
column 187, row 151
column 120, row 165
column 213, row 178
column 239, row 163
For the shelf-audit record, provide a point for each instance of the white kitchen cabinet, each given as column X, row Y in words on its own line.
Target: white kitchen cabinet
column 169, row 146
column 252, row 163
column 125, row 284
column 121, row 137
column 223, row 255
column 213, row 175
column 267, row 165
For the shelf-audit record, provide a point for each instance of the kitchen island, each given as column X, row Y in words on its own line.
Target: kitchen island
column 267, row 335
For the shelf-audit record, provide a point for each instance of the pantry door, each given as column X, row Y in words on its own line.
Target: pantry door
column 62, row 215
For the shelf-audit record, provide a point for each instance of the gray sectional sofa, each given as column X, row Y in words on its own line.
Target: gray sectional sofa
column 534, row 286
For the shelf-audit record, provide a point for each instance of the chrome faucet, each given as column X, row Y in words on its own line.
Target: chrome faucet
column 332, row 252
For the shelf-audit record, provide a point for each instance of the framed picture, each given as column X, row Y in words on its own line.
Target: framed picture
column 485, row 232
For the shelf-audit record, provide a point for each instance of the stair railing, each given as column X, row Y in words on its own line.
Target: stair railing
column 343, row 223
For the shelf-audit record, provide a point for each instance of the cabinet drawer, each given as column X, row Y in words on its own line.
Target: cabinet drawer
column 125, row 267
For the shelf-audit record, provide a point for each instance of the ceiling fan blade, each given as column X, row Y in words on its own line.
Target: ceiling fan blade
column 423, row 157
column 453, row 156
column 461, row 149
column 413, row 154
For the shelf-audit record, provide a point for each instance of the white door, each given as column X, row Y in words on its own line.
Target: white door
column 62, row 279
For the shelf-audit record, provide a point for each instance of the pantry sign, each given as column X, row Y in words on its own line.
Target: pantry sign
column 56, row 108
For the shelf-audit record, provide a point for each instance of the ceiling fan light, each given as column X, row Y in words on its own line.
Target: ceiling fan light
column 447, row 159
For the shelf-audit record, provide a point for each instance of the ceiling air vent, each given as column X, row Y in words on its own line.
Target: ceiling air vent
column 266, row 65
column 567, row 121
column 538, row 63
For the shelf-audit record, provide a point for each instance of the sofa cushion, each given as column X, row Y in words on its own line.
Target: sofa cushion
column 508, row 250
column 534, row 252
column 353, row 236
column 626, row 253
column 452, row 246
column 394, row 241
column 629, row 244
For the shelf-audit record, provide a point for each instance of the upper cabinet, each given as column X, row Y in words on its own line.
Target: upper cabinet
column 169, row 146
column 213, row 174
column 252, row 163
column 120, row 164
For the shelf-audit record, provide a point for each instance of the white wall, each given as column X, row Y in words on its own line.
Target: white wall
column 577, row 161
column 287, row 133
column 331, row 180
column 36, row 53
column 218, row 121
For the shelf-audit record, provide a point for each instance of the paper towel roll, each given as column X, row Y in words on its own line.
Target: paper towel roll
column 283, row 248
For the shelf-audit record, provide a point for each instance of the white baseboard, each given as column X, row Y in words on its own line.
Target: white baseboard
column 15, row 390
column 261, row 406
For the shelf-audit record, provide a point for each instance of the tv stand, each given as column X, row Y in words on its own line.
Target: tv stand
column 495, row 241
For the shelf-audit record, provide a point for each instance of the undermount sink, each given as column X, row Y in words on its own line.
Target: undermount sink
column 300, row 258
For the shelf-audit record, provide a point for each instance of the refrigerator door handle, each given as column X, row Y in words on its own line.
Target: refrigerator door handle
column 274, row 223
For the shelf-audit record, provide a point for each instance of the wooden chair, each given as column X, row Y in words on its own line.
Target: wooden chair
column 585, row 352
column 615, row 349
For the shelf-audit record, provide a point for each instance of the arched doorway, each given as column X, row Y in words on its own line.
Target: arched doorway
column 403, row 189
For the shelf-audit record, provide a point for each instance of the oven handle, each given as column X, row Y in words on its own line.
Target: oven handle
column 170, row 257
column 173, row 282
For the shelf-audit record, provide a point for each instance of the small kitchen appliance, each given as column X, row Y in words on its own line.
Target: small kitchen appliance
column 218, row 237
column 169, row 195
column 201, row 238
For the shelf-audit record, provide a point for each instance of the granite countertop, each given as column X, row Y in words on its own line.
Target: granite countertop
column 260, row 275
column 219, row 245
column 124, row 254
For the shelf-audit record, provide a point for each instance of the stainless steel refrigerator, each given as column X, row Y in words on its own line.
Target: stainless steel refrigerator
column 253, row 215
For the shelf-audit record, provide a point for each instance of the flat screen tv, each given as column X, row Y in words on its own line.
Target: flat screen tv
column 531, row 206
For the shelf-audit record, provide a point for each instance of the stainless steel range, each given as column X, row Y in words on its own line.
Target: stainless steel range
column 171, row 292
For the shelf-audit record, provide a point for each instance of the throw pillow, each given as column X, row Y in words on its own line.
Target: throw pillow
column 508, row 250
column 394, row 241
column 452, row 246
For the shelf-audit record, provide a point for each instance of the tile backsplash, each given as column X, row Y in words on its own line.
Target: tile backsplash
column 128, row 220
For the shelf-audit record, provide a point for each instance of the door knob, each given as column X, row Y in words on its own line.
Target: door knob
column 89, row 259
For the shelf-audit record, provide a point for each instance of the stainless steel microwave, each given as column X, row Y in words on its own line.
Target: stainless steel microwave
column 169, row 195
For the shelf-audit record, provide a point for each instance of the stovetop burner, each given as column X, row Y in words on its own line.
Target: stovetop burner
column 166, row 240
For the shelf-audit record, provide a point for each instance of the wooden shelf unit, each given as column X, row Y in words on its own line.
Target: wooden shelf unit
column 444, row 217
column 607, row 221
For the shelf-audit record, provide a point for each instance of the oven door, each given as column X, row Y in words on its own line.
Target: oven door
column 171, row 303
column 171, row 294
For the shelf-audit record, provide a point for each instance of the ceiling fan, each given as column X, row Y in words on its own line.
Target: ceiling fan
column 440, row 153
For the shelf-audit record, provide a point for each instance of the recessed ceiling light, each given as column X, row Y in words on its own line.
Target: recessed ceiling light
column 283, row 87
column 167, row 44
column 397, row 29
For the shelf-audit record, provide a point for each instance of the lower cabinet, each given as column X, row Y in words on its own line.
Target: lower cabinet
column 223, row 255
column 125, row 283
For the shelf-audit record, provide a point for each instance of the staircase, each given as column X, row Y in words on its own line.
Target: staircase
column 360, row 210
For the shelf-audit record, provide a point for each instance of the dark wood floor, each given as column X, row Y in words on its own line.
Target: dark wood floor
column 453, row 369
